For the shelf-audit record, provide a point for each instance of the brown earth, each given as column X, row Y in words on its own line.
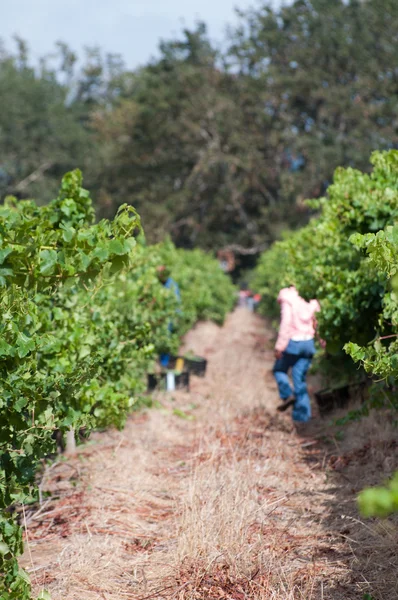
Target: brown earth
column 213, row 495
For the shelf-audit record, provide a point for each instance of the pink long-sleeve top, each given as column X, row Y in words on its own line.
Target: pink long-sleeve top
column 297, row 318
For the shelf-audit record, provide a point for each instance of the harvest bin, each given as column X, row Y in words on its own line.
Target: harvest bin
column 196, row 365
column 332, row 398
column 159, row 381
column 339, row 397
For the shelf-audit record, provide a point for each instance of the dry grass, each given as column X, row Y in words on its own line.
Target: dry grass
column 230, row 505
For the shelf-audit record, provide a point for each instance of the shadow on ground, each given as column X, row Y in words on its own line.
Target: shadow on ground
column 353, row 457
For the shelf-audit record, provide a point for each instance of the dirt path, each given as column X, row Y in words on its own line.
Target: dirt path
column 213, row 496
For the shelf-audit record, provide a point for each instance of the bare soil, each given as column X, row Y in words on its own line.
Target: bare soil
column 214, row 495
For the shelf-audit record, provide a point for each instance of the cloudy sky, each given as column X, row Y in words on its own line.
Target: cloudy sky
column 129, row 27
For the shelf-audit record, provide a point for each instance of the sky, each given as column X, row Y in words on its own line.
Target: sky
column 131, row 28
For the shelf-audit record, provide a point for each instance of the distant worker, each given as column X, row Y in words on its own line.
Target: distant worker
column 165, row 278
column 244, row 293
column 168, row 282
column 295, row 349
column 257, row 300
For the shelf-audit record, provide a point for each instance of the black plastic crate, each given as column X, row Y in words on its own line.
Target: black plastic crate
column 158, row 381
column 195, row 365
column 339, row 397
column 332, row 398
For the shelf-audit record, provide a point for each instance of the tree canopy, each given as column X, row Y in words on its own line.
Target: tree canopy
column 213, row 148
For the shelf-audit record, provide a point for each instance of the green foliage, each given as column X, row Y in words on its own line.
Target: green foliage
column 323, row 262
column 321, row 117
column 347, row 257
column 182, row 143
column 15, row 583
column 270, row 275
column 47, row 255
column 381, row 356
column 380, row 501
column 206, row 292
column 40, row 135
column 233, row 146
column 84, row 314
column 213, row 148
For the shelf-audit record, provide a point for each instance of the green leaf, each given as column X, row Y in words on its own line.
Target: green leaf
column 84, row 352
column 5, row 348
column 24, row 344
column 101, row 252
column 20, row 404
column 22, row 574
column 48, row 260
column 4, row 252
column 4, row 549
column 183, row 415
column 119, row 247
column 68, row 233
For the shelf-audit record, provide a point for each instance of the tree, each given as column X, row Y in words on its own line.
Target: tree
column 215, row 149
column 185, row 144
column 40, row 134
column 325, row 71
column 45, row 116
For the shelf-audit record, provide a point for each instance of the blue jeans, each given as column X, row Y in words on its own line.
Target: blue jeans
column 298, row 357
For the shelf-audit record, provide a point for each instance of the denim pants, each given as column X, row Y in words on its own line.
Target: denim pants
column 298, row 357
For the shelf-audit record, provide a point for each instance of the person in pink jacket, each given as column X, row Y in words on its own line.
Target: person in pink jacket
column 294, row 349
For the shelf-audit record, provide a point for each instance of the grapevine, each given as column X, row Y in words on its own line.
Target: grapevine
column 84, row 315
column 347, row 257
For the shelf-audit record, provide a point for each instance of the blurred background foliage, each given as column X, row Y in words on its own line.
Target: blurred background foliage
column 213, row 148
